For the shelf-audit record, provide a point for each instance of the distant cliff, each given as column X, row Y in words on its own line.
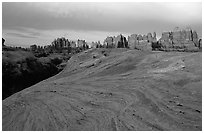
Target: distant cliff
column 176, row 40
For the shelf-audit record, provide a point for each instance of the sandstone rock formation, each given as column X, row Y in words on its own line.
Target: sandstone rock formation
column 141, row 42
column 154, row 36
column 121, row 41
column 116, row 42
column 185, row 40
column 96, row 45
column 144, row 38
column 132, row 41
column 140, row 37
column 149, row 37
column 108, row 42
column 60, row 43
column 200, row 43
column 195, row 38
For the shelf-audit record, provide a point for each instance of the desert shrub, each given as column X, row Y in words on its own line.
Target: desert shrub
column 56, row 61
column 21, row 70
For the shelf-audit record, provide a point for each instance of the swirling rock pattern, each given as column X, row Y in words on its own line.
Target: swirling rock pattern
column 118, row 89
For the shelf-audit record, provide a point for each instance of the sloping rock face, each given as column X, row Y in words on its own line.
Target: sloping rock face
column 184, row 40
column 113, row 89
column 141, row 42
column 116, row 42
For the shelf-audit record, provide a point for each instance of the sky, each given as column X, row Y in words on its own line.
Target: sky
column 24, row 24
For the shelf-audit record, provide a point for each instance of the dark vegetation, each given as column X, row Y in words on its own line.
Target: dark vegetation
column 22, row 68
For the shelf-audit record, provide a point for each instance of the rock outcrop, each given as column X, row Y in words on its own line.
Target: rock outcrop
column 184, row 40
column 96, row 45
column 200, row 43
column 121, row 42
column 133, row 41
column 108, row 42
column 116, row 42
column 141, row 42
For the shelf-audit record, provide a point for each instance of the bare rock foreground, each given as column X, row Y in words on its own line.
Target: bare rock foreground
column 113, row 89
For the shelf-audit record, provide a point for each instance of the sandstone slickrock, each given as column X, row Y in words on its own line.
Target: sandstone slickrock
column 124, row 90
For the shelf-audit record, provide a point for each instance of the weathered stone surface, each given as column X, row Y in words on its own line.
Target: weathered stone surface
column 108, row 42
column 154, row 36
column 73, row 44
column 141, row 42
column 116, row 42
column 139, row 37
column 166, row 36
column 195, row 38
column 96, row 44
column 144, row 46
column 124, row 91
column 200, row 43
column 81, row 43
column 149, row 37
column 144, row 38
column 188, row 34
column 121, row 42
column 132, row 41
column 179, row 40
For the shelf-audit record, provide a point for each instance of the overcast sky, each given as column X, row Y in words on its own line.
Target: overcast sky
column 40, row 23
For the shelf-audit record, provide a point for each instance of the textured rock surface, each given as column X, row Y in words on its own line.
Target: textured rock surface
column 132, row 41
column 200, row 43
column 113, row 89
column 154, row 36
column 195, row 38
column 121, row 42
column 141, row 42
column 178, row 39
column 116, row 42
column 149, row 37
column 108, row 42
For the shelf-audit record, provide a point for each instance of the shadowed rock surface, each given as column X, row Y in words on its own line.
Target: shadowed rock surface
column 113, row 89
column 21, row 69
